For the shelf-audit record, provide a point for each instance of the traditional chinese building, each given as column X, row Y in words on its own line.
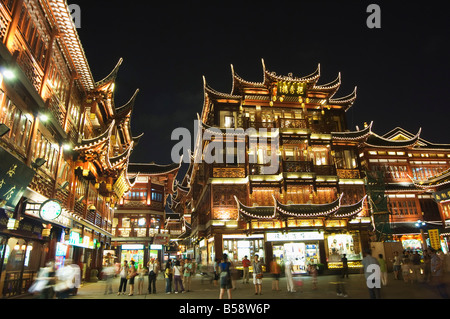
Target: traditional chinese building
column 404, row 172
column 306, row 203
column 64, row 146
column 140, row 229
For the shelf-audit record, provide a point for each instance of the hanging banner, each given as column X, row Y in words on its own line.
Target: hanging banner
column 14, row 178
column 435, row 240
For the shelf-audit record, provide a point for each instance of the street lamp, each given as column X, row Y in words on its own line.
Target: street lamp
column 421, row 224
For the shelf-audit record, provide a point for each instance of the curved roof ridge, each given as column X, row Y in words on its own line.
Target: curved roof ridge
column 111, row 77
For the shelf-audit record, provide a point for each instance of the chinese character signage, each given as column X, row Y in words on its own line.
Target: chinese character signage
column 14, row 178
column 442, row 195
column 435, row 241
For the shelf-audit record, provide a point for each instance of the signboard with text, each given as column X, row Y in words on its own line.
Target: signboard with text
column 15, row 176
column 435, row 240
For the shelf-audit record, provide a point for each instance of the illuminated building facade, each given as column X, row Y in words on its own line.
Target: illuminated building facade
column 308, row 206
column 63, row 143
column 139, row 225
column 406, row 174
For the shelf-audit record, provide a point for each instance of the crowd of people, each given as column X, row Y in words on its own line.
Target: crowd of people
column 411, row 267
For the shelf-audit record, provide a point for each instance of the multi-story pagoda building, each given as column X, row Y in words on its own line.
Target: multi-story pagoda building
column 64, row 146
column 307, row 203
column 403, row 171
column 140, row 230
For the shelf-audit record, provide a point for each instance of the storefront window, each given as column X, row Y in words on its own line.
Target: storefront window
column 237, row 249
column 340, row 244
column 21, row 263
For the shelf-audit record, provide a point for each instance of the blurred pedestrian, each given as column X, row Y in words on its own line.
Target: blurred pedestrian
column 67, row 279
column 153, row 270
column 44, row 284
column 275, row 270
column 416, row 266
column 246, row 272
column 123, row 273
column 313, row 272
column 371, row 273
column 257, row 275
column 132, row 273
column 407, row 270
column 437, row 274
column 108, row 275
column 426, row 266
column 177, row 275
column 288, row 269
column 225, row 277
column 216, row 272
column 344, row 266
column 383, row 269
column 397, row 262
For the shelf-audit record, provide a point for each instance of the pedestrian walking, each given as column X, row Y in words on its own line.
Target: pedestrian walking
column 426, row 266
column 372, row 281
column 187, row 274
column 407, row 270
column 416, row 266
column 168, row 275
column 132, row 273
column 288, row 269
column 123, row 272
column 216, row 272
column 177, row 275
column 246, row 270
column 437, row 274
column 44, row 285
column 313, row 272
column 257, row 275
column 397, row 264
column 108, row 275
column 275, row 270
column 344, row 266
column 225, row 277
column 383, row 269
column 153, row 270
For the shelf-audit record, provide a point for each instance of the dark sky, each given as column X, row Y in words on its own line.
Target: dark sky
column 401, row 70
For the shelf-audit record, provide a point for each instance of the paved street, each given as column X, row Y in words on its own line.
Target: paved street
column 326, row 289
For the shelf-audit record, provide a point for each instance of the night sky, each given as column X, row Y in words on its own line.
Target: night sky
column 401, row 70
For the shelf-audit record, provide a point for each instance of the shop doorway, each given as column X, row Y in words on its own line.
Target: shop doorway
column 301, row 254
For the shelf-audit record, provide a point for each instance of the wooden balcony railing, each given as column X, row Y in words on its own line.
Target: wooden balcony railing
column 298, row 167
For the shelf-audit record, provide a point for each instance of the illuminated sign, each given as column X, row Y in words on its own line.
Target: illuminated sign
column 50, row 209
column 294, row 236
column 132, row 247
column 435, row 240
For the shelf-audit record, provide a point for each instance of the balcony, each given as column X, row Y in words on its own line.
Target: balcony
column 348, row 173
column 298, row 167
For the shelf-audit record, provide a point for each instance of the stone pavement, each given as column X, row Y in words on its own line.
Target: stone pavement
column 326, row 289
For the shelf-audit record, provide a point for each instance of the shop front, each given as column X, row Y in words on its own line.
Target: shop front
column 340, row 244
column 238, row 246
column 132, row 252
column 300, row 248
